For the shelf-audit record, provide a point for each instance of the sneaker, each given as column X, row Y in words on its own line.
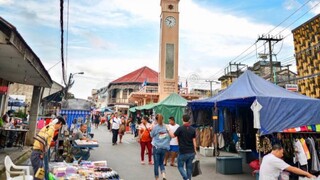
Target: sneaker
column 151, row 162
column 142, row 162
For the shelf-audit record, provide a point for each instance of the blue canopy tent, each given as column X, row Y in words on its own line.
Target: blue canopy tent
column 281, row 109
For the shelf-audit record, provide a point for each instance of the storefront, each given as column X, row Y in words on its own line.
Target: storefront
column 19, row 64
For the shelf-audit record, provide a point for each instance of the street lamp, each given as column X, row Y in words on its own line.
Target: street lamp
column 69, row 84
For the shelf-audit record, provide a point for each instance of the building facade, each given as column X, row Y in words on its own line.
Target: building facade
column 125, row 92
column 307, row 52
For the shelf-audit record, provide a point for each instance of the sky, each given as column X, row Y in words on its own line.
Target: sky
column 107, row 39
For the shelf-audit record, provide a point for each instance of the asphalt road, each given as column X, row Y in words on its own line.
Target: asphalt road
column 125, row 159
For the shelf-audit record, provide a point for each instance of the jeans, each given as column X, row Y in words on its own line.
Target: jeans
column 36, row 161
column 187, row 160
column 133, row 128
column 158, row 158
column 115, row 133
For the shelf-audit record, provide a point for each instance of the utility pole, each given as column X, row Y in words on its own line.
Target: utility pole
column 269, row 38
column 212, row 81
column 288, row 71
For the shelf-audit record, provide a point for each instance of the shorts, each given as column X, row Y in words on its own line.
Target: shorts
column 174, row 148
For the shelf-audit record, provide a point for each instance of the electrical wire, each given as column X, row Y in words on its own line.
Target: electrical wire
column 278, row 33
column 289, row 16
column 299, row 17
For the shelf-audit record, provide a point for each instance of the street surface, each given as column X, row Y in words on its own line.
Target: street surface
column 125, row 159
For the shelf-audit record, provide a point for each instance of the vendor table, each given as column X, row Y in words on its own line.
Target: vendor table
column 17, row 137
column 85, row 144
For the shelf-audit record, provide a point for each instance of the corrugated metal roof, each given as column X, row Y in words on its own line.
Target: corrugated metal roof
column 139, row 76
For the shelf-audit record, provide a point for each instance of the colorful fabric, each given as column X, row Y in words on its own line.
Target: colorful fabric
column 305, row 148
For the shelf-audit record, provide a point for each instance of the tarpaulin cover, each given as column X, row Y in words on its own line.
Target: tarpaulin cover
column 174, row 105
column 281, row 109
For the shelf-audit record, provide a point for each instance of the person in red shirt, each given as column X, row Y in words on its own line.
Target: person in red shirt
column 145, row 139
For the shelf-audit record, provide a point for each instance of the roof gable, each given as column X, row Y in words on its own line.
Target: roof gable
column 139, row 76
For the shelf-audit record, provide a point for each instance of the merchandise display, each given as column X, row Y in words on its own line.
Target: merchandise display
column 86, row 170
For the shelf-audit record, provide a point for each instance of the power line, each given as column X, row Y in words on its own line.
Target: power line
column 53, row 66
column 289, row 16
column 299, row 17
column 273, row 30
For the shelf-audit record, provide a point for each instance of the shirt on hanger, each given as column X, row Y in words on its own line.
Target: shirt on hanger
column 256, row 107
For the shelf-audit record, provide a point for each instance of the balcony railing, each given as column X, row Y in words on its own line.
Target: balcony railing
column 117, row 100
column 149, row 89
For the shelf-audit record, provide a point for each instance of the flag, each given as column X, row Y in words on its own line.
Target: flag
column 144, row 83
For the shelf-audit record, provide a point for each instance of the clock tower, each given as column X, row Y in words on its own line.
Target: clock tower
column 169, row 48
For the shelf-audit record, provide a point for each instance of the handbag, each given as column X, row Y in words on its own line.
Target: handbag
column 196, row 170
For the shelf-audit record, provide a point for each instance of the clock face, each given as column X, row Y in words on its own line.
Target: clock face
column 170, row 21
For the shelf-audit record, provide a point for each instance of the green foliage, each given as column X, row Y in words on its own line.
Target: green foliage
column 20, row 114
column 1, row 122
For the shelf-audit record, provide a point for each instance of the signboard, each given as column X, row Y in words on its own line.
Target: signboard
column 292, row 87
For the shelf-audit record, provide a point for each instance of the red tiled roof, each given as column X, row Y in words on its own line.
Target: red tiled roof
column 139, row 76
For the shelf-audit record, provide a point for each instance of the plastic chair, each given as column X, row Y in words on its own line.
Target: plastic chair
column 22, row 171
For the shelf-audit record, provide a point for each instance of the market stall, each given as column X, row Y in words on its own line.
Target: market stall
column 253, row 105
column 174, row 105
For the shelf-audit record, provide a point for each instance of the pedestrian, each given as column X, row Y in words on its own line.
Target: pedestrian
column 174, row 145
column 187, row 146
column 272, row 165
column 88, row 123
column 108, row 121
column 42, row 143
column 97, row 119
column 115, row 125
column 73, row 127
column 122, row 128
column 161, row 144
column 145, row 139
column 132, row 124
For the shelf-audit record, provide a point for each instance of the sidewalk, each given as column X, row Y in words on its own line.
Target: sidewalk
column 17, row 155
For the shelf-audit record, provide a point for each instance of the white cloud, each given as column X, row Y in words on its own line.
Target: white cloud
column 291, row 4
column 209, row 38
column 315, row 6
column 6, row 2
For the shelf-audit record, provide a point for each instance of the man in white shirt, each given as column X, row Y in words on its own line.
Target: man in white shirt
column 174, row 145
column 272, row 165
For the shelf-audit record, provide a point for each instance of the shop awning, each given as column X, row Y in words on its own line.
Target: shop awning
column 18, row 63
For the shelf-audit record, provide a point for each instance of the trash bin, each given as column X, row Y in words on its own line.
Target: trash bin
column 229, row 165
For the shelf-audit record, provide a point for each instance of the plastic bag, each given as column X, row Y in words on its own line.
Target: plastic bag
column 196, row 168
column 255, row 164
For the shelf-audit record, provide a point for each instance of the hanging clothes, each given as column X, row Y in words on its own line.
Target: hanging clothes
column 221, row 120
column 305, row 148
column 256, row 107
column 300, row 155
column 315, row 164
column 197, row 137
column 221, row 141
column 266, row 146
